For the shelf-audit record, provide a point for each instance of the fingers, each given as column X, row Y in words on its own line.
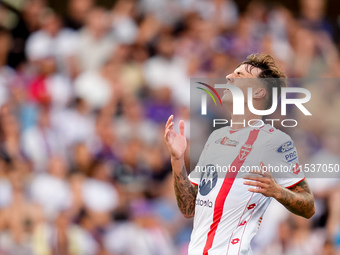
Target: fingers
column 169, row 125
column 259, row 183
column 168, row 129
column 263, row 167
column 264, row 184
column 257, row 187
column 256, row 190
column 181, row 127
column 166, row 134
column 255, row 178
column 169, row 120
column 256, row 184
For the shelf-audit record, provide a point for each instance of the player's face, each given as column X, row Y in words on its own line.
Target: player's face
column 243, row 77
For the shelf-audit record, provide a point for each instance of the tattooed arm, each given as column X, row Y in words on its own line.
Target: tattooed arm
column 297, row 199
column 185, row 191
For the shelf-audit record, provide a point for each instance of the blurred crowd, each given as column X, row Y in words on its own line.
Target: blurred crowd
column 83, row 102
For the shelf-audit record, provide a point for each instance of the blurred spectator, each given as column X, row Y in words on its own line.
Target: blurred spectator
column 167, row 11
column 325, row 189
column 295, row 237
column 69, row 238
column 82, row 159
column 51, row 190
column 313, row 15
column 328, row 248
column 88, row 244
column 20, row 219
column 75, row 124
column 165, row 70
column 42, row 141
column 106, row 144
column 276, row 42
column 94, row 43
column 279, row 247
column 28, row 23
column 124, row 70
column 51, row 40
column 6, row 73
column 50, row 87
column 223, row 14
column 98, row 194
column 333, row 223
column 10, row 136
column 94, row 87
column 133, row 124
column 76, row 13
column 124, row 27
column 5, row 187
column 149, row 235
column 149, row 29
column 131, row 171
column 165, row 208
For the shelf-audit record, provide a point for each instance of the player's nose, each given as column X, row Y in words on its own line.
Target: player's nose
column 230, row 78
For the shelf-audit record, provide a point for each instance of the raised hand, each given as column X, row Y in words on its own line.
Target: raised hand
column 176, row 143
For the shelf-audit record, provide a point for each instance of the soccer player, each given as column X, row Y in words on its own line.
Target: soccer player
column 228, row 210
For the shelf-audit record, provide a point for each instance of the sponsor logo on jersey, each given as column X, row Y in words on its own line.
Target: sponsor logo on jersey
column 291, row 156
column 226, row 141
column 287, row 146
column 204, row 203
column 208, row 179
column 235, row 240
column 245, row 150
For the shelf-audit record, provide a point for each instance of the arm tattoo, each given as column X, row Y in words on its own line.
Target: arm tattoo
column 298, row 199
column 186, row 193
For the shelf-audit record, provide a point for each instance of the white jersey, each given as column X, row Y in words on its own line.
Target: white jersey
column 227, row 215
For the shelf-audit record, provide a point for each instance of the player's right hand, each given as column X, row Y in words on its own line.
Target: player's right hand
column 176, row 143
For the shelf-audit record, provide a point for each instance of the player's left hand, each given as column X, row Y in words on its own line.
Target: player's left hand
column 264, row 184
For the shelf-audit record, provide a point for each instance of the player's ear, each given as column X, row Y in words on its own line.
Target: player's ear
column 259, row 93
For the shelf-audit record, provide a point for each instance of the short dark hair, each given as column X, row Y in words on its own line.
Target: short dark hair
column 269, row 69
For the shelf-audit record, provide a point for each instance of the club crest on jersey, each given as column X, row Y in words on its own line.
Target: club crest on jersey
column 287, row 146
column 226, row 141
column 245, row 150
column 296, row 169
